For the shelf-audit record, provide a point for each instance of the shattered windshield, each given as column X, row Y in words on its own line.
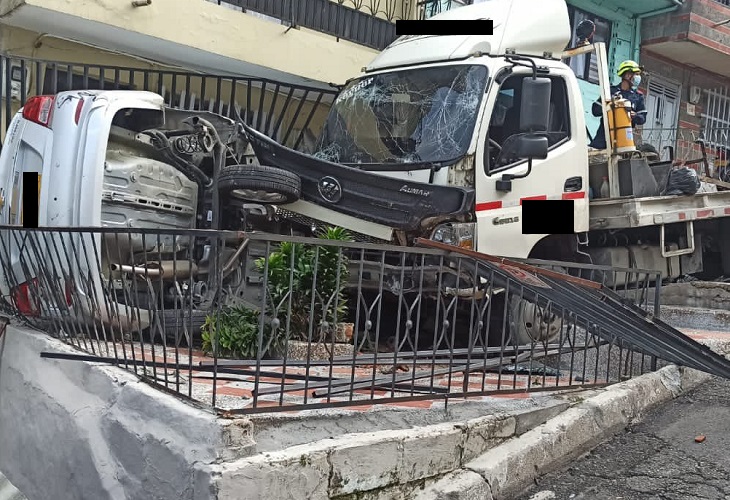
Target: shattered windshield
column 413, row 116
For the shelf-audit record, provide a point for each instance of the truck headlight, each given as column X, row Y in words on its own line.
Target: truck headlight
column 458, row 234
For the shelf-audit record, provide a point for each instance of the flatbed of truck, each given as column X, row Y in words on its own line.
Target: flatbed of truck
column 629, row 212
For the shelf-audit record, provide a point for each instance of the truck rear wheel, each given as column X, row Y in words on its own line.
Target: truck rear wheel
column 530, row 323
column 259, row 184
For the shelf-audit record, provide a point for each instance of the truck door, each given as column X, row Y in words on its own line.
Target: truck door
column 562, row 175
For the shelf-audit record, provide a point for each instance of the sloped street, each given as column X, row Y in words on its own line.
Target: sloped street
column 658, row 459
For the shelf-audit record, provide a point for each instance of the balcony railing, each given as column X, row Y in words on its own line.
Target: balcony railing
column 366, row 22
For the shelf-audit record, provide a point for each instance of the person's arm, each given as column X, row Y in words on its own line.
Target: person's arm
column 639, row 117
column 596, row 109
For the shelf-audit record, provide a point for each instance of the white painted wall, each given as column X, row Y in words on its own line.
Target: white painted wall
column 74, row 430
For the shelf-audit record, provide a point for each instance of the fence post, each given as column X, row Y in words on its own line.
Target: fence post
column 657, row 309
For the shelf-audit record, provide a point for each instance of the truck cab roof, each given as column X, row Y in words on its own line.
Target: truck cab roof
column 523, row 27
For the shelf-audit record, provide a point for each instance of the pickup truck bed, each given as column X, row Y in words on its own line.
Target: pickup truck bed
column 628, row 212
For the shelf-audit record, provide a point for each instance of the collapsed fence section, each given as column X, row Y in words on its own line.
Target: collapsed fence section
column 256, row 322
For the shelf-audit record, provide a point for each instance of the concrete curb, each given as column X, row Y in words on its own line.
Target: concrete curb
column 512, row 467
column 368, row 464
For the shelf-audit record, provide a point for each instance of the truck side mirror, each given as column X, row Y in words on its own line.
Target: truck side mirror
column 529, row 146
column 535, row 106
column 534, row 118
column 519, row 147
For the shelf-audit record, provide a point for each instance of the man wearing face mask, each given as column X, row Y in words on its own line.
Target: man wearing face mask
column 630, row 73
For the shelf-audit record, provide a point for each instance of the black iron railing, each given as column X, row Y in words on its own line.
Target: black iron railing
column 289, row 323
column 367, row 22
column 291, row 114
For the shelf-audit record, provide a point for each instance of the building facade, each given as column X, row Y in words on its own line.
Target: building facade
column 687, row 57
column 618, row 25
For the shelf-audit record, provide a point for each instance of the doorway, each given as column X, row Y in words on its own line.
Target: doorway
column 662, row 113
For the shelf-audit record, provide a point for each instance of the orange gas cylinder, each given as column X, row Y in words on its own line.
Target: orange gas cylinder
column 619, row 126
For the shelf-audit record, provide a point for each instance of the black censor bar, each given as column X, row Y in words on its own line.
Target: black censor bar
column 31, row 186
column 548, row 217
column 444, row 27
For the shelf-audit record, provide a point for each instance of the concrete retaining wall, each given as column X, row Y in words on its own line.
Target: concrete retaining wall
column 699, row 294
column 73, row 430
column 92, row 431
column 372, row 465
column 695, row 318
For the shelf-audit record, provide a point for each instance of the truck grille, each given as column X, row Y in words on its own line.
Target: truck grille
column 314, row 223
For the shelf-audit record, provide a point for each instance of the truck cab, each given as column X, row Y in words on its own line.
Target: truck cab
column 443, row 118
column 446, row 111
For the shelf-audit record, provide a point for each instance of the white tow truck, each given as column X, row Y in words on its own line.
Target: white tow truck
column 442, row 137
column 444, row 111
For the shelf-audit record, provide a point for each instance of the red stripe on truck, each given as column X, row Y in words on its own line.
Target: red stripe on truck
column 574, row 196
column 540, row 197
column 490, row 205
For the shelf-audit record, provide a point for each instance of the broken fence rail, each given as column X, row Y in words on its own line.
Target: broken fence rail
column 424, row 323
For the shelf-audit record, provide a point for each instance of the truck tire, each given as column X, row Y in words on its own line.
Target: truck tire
column 527, row 323
column 259, row 184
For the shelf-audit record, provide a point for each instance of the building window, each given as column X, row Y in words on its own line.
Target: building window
column 716, row 118
column 585, row 67
column 433, row 7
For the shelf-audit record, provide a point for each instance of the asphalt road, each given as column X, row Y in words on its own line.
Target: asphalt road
column 658, row 459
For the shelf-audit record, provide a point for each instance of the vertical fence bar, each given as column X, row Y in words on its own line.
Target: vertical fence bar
column 8, row 92
column 23, row 84
column 307, row 122
column 260, row 332
column 191, row 244
column 294, row 118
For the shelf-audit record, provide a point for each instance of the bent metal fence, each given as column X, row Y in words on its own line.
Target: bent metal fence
column 291, row 114
column 257, row 323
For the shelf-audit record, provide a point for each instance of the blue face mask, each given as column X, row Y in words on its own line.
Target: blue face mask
column 636, row 80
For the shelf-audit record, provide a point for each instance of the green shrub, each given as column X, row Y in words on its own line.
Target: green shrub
column 238, row 332
column 326, row 265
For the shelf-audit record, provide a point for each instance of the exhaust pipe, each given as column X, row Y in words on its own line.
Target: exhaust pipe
column 167, row 269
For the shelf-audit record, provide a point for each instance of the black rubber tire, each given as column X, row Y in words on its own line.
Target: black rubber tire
column 276, row 186
column 176, row 323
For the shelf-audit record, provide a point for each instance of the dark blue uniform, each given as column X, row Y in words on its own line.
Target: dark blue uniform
column 637, row 104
